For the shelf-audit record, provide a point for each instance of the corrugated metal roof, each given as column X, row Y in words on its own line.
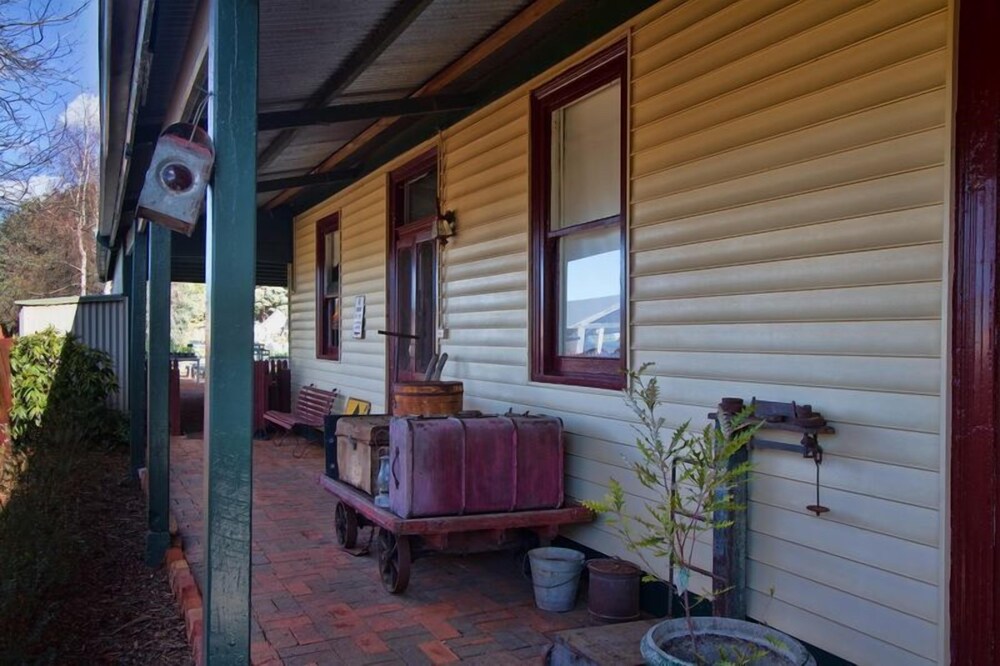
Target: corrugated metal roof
column 303, row 41
column 170, row 36
column 446, row 30
column 438, row 36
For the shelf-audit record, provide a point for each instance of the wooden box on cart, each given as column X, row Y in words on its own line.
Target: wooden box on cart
column 359, row 440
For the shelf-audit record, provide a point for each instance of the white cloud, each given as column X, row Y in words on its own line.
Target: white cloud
column 81, row 112
column 12, row 191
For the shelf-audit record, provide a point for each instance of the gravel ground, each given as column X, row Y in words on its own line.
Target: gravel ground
column 118, row 611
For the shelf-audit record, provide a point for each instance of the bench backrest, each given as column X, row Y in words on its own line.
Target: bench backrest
column 314, row 403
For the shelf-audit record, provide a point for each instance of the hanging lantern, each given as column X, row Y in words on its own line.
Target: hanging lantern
column 174, row 191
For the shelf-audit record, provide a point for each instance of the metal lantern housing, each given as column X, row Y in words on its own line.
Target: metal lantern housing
column 174, row 191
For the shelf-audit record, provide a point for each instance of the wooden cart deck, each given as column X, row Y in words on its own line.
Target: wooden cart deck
column 398, row 537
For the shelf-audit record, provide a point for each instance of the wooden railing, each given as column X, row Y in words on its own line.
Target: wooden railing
column 271, row 390
column 272, row 381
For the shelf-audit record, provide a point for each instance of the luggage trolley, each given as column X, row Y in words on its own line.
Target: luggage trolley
column 399, row 541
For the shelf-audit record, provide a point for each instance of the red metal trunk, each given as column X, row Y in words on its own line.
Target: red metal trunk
column 487, row 464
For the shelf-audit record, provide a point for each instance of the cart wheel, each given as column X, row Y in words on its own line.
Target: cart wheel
column 393, row 561
column 346, row 523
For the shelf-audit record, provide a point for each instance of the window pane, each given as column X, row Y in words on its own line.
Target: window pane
column 590, row 294
column 426, row 306
column 586, row 158
column 331, row 263
column 420, row 197
column 404, row 285
column 332, row 317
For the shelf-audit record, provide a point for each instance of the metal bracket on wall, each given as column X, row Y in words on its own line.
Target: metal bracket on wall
column 790, row 417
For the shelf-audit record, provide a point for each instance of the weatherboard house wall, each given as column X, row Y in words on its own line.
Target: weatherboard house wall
column 787, row 204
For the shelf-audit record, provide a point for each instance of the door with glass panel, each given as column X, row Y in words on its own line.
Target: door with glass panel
column 412, row 312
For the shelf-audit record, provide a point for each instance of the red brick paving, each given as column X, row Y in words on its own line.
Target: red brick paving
column 314, row 603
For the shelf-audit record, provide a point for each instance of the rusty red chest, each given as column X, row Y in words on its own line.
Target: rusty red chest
column 483, row 464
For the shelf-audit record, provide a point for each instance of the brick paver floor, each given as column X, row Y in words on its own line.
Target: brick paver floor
column 314, row 603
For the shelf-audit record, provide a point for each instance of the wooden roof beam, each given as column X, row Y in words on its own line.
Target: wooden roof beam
column 493, row 43
column 409, row 106
column 307, row 180
column 371, row 47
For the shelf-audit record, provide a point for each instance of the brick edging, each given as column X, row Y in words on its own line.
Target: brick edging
column 182, row 585
column 188, row 597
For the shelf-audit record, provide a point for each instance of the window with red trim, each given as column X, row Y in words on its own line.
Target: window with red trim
column 578, row 228
column 328, row 278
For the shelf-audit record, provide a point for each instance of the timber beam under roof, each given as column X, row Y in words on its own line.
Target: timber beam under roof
column 307, row 180
column 402, row 14
column 408, row 106
column 329, row 115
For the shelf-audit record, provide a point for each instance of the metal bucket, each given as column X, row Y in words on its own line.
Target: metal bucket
column 614, row 590
column 555, row 574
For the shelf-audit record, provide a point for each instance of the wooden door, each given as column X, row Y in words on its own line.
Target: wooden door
column 413, row 265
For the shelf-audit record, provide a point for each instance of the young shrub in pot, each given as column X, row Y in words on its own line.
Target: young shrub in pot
column 700, row 485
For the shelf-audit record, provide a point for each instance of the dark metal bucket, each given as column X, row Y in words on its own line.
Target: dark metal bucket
column 614, row 590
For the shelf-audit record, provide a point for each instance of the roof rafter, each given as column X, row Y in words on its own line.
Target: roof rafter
column 502, row 36
column 408, row 106
column 402, row 14
column 306, row 180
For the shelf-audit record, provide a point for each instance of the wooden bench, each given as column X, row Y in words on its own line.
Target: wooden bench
column 342, row 406
column 311, row 405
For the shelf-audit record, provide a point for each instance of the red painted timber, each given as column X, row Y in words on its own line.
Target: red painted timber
column 975, row 461
column 362, row 503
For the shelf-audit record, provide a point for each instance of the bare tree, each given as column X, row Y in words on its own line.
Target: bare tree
column 32, row 61
column 78, row 165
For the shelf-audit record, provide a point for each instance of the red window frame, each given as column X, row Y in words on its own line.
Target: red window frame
column 325, row 348
column 547, row 365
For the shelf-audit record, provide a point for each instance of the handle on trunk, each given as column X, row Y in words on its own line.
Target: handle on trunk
column 395, row 460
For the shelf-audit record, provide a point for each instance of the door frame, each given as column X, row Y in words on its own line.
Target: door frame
column 394, row 210
column 974, row 474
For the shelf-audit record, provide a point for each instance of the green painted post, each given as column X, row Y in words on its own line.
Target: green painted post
column 126, row 260
column 158, row 453
column 137, row 351
column 230, row 276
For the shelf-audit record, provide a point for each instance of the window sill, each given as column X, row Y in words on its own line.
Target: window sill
column 599, row 382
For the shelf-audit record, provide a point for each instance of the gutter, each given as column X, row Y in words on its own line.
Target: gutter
column 137, row 90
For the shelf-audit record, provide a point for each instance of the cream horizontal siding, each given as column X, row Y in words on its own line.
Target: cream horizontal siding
column 787, row 214
column 787, row 197
column 360, row 372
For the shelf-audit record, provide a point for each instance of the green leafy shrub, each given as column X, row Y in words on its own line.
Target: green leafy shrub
column 60, row 389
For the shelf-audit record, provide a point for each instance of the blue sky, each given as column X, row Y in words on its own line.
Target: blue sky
column 86, row 52
column 70, row 101
column 82, row 59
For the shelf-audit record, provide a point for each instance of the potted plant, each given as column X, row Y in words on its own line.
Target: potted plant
column 693, row 497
